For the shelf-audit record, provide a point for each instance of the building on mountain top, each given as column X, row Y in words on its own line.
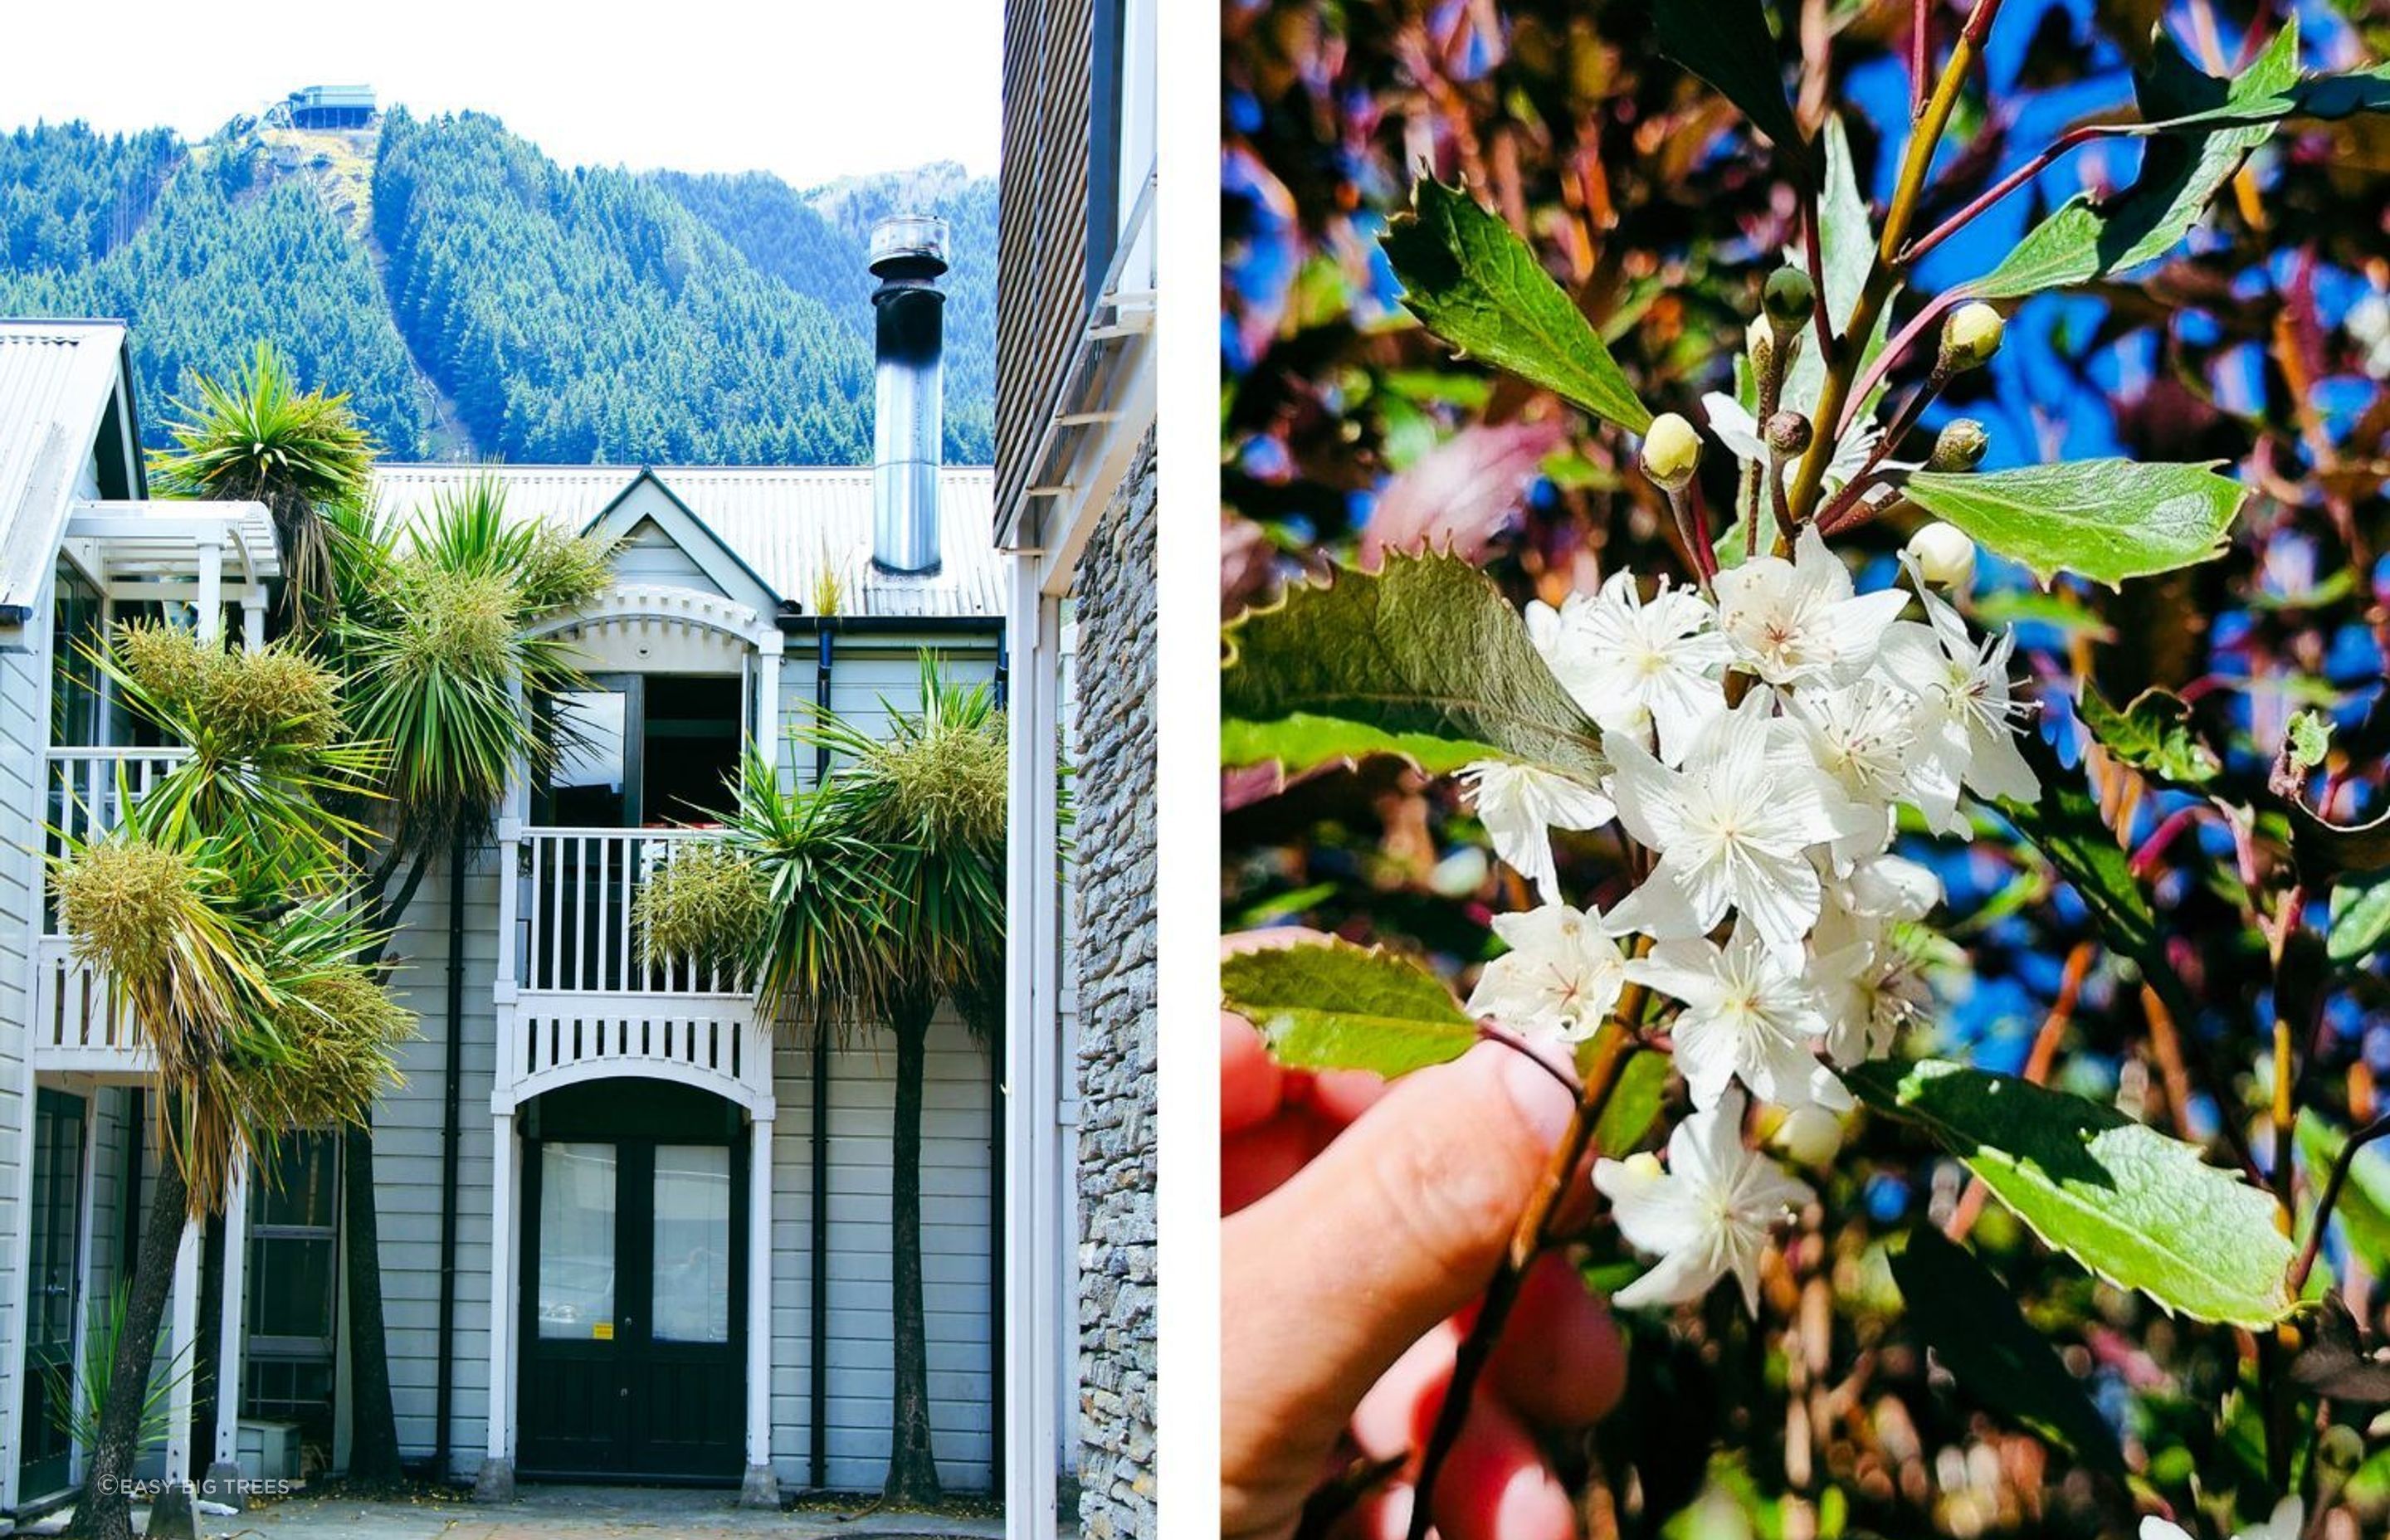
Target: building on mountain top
column 332, row 107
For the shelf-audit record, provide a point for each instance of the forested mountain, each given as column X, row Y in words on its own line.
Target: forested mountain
column 476, row 299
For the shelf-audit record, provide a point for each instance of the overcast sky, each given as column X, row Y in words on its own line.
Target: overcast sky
column 811, row 89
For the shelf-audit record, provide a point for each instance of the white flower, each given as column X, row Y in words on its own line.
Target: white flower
column 1732, row 827
column 1558, row 981
column 1706, row 1216
column 1634, row 663
column 1520, row 805
column 2289, row 1518
column 1738, row 431
column 1968, row 729
column 1748, row 1016
column 1798, row 623
column 1859, row 903
column 1871, row 991
column 1862, row 735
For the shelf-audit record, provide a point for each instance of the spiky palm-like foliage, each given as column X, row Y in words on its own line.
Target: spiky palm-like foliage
column 704, row 906
column 886, row 894
column 259, row 437
column 222, row 909
column 436, row 634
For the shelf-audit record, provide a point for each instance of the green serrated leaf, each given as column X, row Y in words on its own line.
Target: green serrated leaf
column 2104, row 519
column 2363, row 1207
column 2361, row 918
column 1470, row 278
column 1971, row 1322
column 2139, row 1209
column 1634, row 1105
column 1302, row 742
column 2153, row 734
column 1727, row 44
column 2322, row 97
column 1426, row 648
column 2065, row 827
column 2089, row 238
column 1331, row 1005
column 2309, row 740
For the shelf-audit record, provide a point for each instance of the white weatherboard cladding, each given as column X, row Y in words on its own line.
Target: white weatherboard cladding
column 23, row 706
column 955, row 1240
column 406, row 1170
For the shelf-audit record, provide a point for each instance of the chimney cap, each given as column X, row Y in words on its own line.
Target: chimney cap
column 909, row 239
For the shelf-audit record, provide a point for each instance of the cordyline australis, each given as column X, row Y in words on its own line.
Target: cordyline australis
column 1758, row 731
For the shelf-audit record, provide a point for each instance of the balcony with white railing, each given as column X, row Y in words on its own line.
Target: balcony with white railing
column 577, row 999
column 81, row 1025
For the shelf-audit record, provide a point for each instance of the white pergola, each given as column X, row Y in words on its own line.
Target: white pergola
column 203, row 554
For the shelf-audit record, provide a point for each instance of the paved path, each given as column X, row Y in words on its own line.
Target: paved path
column 575, row 1514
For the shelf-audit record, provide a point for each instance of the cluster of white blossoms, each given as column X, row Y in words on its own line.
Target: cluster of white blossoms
column 1759, row 743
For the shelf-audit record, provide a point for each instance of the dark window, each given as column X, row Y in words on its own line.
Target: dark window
column 293, row 1312
column 1103, row 142
column 75, row 627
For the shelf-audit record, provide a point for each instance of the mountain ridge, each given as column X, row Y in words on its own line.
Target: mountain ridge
column 476, row 299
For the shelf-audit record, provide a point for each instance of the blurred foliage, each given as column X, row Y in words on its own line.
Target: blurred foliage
column 2263, row 343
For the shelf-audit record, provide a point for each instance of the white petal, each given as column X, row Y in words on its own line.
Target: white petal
column 1735, row 428
column 1659, row 908
column 1644, row 791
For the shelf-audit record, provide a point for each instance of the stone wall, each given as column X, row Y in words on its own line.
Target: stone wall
column 1114, row 884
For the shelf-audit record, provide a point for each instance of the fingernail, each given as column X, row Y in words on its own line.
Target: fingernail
column 1544, row 1103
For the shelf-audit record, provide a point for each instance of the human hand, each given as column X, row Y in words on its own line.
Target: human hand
column 1361, row 1218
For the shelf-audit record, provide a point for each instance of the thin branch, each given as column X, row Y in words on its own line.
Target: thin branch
column 1815, row 241
column 1883, row 277
column 1488, row 1033
column 1921, row 54
column 2073, row 138
column 2341, row 1163
column 1894, row 351
column 1612, row 1047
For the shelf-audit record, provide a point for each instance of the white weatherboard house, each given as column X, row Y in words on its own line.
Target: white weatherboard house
column 628, row 1231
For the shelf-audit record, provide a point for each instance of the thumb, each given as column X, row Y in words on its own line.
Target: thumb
column 1396, row 1225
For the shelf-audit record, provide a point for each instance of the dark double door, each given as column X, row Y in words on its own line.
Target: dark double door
column 635, row 1285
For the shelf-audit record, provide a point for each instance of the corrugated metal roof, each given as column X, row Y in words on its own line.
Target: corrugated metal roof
column 56, row 377
column 789, row 523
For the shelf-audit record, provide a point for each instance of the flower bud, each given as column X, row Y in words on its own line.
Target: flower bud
column 1971, row 336
column 2341, row 1449
column 1811, row 1136
column 1943, row 554
column 1960, row 446
column 1789, row 433
column 1672, row 451
column 1760, row 340
column 1789, row 297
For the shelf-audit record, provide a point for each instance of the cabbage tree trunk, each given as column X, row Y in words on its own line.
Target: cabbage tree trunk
column 104, row 1508
column 912, row 1466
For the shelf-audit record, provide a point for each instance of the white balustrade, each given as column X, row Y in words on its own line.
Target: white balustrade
column 575, row 894
column 89, row 788
column 578, row 998
column 80, row 1022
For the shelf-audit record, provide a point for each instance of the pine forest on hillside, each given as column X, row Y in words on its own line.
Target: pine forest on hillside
column 476, row 299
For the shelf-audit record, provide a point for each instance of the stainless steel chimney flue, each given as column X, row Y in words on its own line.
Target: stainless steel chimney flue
column 908, row 255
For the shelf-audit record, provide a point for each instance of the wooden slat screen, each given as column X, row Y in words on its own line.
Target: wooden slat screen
column 1041, row 301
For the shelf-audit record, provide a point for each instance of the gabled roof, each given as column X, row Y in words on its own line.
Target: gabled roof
column 785, row 524
column 57, row 379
